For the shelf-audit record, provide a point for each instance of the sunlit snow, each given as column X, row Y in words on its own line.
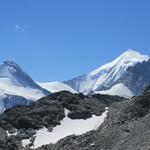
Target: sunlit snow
column 25, row 142
column 10, row 134
column 109, row 73
column 67, row 127
column 8, row 87
column 118, row 89
column 56, row 87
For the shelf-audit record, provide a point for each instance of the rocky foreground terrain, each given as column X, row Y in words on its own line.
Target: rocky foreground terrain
column 127, row 126
column 21, row 122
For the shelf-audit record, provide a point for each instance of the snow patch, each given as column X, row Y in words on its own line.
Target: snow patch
column 10, row 134
column 66, row 128
column 25, row 142
column 118, row 89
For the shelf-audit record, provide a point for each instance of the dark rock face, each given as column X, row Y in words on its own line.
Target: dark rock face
column 127, row 127
column 36, row 115
column 8, row 101
column 48, row 112
column 80, row 114
column 137, row 78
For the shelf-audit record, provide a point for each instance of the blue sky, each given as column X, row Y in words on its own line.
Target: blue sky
column 60, row 39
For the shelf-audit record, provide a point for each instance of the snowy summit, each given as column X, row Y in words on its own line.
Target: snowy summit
column 107, row 75
column 16, row 87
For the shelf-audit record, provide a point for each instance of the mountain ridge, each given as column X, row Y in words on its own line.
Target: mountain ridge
column 104, row 77
column 120, row 77
column 56, row 86
column 17, row 86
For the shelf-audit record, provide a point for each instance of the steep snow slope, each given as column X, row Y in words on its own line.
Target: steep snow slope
column 8, row 87
column 16, row 87
column 13, row 80
column 56, row 87
column 104, row 77
column 118, row 89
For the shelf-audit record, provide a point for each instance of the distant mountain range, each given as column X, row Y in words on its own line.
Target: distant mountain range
column 43, row 116
column 127, row 75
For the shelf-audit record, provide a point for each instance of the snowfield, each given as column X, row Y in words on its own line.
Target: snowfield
column 67, row 127
column 8, row 87
column 118, row 89
column 56, row 87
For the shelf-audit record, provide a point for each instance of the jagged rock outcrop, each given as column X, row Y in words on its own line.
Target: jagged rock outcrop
column 48, row 112
column 137, row 78
column 127, row 127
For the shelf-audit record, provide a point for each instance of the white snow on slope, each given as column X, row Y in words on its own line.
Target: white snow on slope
column 26, row 142
column 107, row 74
column 12, row 134
column 118, row 89
column 67, row 127
column 8, row 87
column 15, row 81
column 56, row 87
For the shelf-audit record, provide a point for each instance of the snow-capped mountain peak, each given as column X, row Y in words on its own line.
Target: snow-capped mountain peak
column 17, row 87
column 105, row 76
column 9, row 69
column 115, row 69
column 15, row 81
column 128, row 58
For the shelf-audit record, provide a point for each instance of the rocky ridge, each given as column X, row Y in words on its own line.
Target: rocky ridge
column 21, row 122
column 127, row 127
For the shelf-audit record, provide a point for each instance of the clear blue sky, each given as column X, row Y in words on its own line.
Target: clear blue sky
column 60, row 39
